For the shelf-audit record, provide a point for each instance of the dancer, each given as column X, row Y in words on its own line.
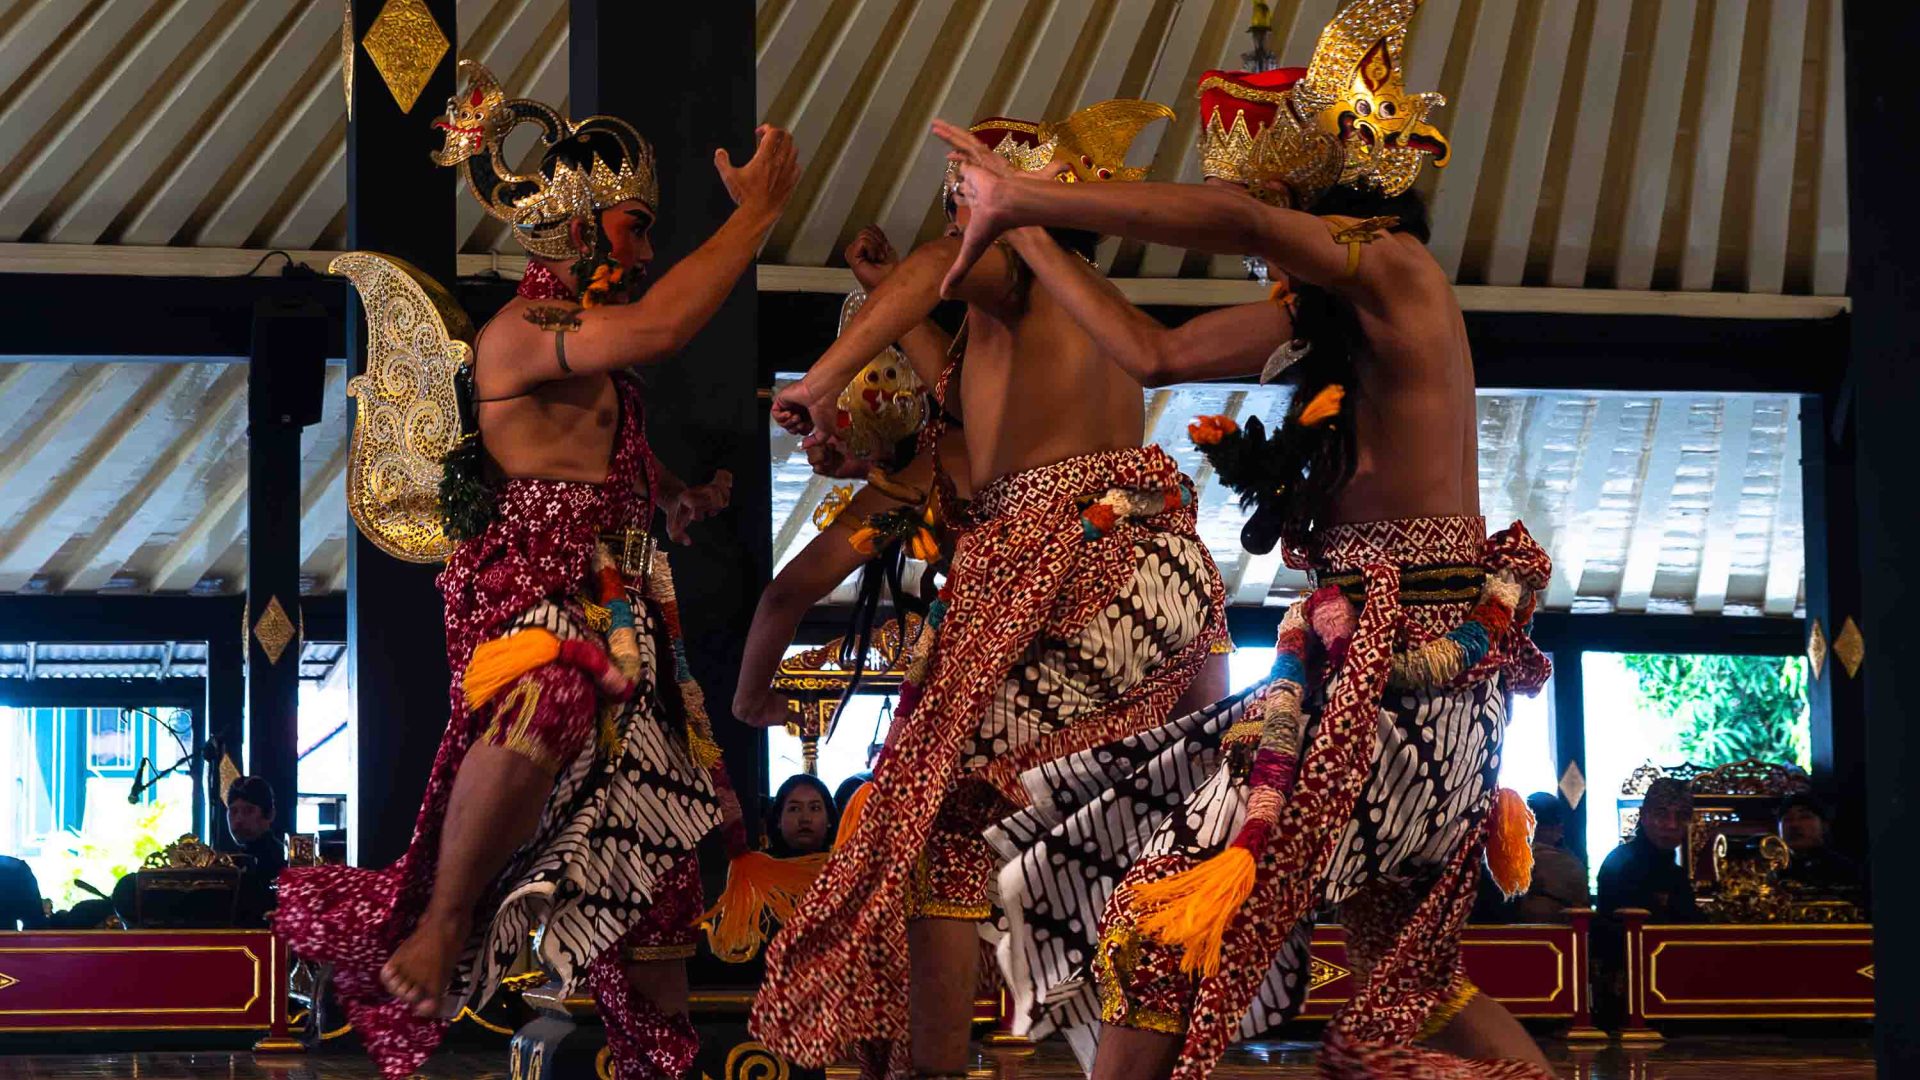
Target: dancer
column 1078, row 606
column 1373, row 475
column 878, row 418
column 577, row 774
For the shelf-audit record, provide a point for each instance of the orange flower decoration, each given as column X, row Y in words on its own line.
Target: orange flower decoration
column 1324, row 406
column 1209, row 430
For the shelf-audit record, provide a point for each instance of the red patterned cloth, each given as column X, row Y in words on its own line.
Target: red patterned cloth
column 1024, row 567
column 539, row 545
column 1407, row 943
column 649, row 1044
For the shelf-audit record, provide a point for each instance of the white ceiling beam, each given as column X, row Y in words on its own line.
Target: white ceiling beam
column 323, row 503
column 1429, row 39
column 253, row 105
column 1712, row 136
column 1779, row 135
column 1787, row 549
column 1257, row 580
column 48, row 423
column 1652, row 165
column 73, row 66
column 781, row 52
column 25, row 547
column 216, row 427
column 819, row 233
column 200, row 545
column 1472, row 120
column 1656, row 492
column 40, row 31
column 1586, row 165
column 1569, row 546
column 958, row 99
column 1532, row 136
column 338, row 582
column 1045, row 63
column 1110, row 63
column 1723, row 515
column 132, row 166
column 1170, row 146
column 1830, row 215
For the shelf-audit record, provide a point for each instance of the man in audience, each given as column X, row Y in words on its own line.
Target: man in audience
column 1803, row 822
column 1559, row 876
column 20, row 904
column 250, row 818
column 1645, row 872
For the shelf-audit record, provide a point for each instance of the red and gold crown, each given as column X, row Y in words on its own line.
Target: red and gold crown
column 1093, row 143
column 1235, row 108
column 1347, row 118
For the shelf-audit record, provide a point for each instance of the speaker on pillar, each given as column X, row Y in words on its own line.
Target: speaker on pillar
column 291, row 384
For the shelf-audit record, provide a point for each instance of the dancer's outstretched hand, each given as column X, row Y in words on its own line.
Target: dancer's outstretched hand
column 699, row 504
column 765, row 183
column 983, row 183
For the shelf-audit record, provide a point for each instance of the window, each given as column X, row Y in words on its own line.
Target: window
column 1672, row 708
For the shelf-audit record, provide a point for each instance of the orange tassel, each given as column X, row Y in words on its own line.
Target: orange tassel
column 761, row 892
column 1324, row 406
column 1510, row 844
column 497, row 663
column 850, row 813
column 1193, row 908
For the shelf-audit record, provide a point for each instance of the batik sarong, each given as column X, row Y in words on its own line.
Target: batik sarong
column 613, row 853
column 1395, row 843
column 1079, row 606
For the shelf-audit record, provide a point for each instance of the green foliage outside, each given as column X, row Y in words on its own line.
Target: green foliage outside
column 107, row 851
column 1727, row 708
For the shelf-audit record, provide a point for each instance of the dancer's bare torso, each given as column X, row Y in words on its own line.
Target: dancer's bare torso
column 1415, row 417
column 560, row 429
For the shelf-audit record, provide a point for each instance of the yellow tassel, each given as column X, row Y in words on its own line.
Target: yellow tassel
column 497, row 663
column 1324, row 406
column 850, row 813
column 1192, row 909
column 863, row 540
column 1510, row 844
column 761, row 891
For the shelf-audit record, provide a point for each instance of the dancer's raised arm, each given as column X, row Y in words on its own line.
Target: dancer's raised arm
column 1217, row 345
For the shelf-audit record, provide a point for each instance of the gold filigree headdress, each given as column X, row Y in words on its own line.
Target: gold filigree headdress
column 1092, row 142
column 586, row 166
column 1347, row 119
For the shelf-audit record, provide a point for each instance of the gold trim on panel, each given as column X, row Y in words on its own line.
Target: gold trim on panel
column 97, row 1011
column 1653, row 972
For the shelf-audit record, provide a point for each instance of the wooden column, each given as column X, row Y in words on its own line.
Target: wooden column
column 1884, row 260
column 226, row 710
column 1836, row 700
column 398, row 203
column 1570, row 743
column 283, row 393
column 684, row 77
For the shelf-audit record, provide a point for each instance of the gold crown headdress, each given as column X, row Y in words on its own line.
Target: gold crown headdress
column 586, row 166
column 1349, row 119
column 884, row 403
column 1092, row 142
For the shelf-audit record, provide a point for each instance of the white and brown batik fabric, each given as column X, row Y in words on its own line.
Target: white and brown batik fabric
column 1400, row 859
column 1059, row 635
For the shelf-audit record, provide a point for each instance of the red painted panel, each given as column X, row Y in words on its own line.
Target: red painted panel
column 1757, row 971
column 138, row 980
column 1527, row 968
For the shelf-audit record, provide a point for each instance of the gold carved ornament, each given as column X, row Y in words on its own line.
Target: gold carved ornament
column 406, row 44
column 188, row 853
column 273, row 630
column 541, row 205
column 408, row 415
column 346, row 54
column 1093, row 143
column 1817, row 650
column 885, row 402
column 1851, row 647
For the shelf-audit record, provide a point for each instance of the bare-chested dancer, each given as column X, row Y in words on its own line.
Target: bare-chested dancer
column 1374, row 469
column 553, row 611
column 1078, row 605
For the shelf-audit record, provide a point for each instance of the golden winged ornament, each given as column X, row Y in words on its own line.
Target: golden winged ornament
column 408, row 414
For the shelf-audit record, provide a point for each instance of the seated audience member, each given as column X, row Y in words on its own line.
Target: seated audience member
column 843, row 794
column 1645, row 872
column 1803, row 822
column 250, row 810
column 20, row 905
column 801, row 820
column 1559, row 876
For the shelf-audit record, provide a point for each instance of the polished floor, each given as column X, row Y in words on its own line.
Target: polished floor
column 1689, row 1058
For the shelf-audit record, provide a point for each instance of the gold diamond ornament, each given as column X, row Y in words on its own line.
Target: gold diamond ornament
column 1320, row 973
column 406, row 45
column 1817, row 650
column 1850, row 647
column 1867, row 971
column 273, row 630
column 1573, row 785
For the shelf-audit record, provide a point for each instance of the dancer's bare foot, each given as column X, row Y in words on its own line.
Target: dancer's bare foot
column 419, row 970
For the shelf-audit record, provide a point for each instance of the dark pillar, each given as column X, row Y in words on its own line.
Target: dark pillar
column 398, row 203
column 694, row 93
column 1570, row 742
column 226, row 711
column 1836, row 700
column 1884, row 362
column 284, row 378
